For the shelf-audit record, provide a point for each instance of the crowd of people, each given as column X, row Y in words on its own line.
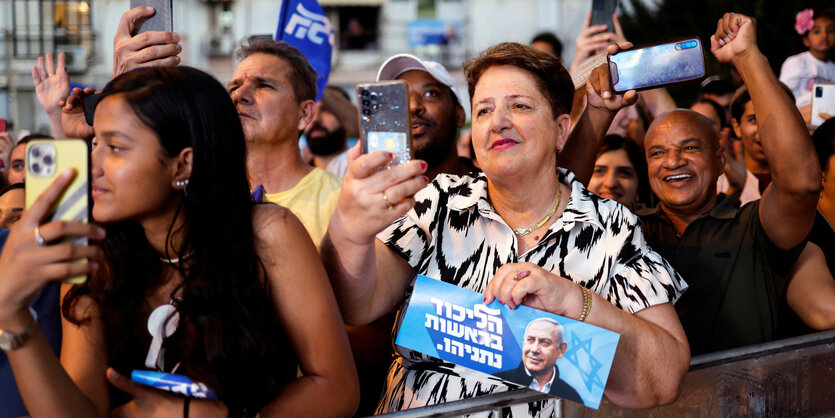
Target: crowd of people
column 281, row 271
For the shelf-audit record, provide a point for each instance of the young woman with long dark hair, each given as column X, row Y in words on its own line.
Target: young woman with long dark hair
column 239, row 286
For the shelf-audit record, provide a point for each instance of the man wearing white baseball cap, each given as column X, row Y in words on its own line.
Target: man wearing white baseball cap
column 437, row 112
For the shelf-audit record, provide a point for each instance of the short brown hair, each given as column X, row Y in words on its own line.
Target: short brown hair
column 550, row 75
column 302, row 74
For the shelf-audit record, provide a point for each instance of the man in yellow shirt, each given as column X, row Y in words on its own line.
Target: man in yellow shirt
column 274, row 89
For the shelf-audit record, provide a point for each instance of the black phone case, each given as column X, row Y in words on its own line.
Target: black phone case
column 162, row 19
column 601, row 13
column 613, row 68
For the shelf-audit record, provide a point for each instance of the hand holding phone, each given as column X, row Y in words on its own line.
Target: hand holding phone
column 161, row 20
column 823, row 102
column 31, row 258
column 46, row 160
column 153, row 48
column 674, row 62
column 385, row 122
column 602, row 11
column 599, row 92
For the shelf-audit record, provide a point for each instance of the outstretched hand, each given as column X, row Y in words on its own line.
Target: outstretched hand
column 51, row 82
column 599, row 91
column 736, row 36
column 147, row 49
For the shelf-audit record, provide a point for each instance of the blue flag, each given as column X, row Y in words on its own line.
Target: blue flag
column 303, row 24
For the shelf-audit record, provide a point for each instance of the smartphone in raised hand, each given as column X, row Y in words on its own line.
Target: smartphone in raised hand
column 385, row 122
column 46, row 160
column 601, row 13
column 823, row 101
column 161, row 20
column 675, row 62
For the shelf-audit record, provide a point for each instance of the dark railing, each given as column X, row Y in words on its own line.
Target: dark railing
column 791, row 377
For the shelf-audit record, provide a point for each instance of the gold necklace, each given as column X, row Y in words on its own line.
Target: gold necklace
column 525, row 231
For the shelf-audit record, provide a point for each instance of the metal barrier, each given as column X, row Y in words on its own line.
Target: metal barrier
column 791, row 377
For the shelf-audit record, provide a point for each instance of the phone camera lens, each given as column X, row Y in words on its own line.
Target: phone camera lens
column 364, row 93
column 47, row 160
column 36, row 152
column 373, row 97
column 819, row 92
column 366, row 112
column 36, row 168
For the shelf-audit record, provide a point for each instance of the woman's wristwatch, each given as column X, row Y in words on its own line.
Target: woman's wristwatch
column 10, row 340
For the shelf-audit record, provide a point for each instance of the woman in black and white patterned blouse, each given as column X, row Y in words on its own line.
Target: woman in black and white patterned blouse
column 521, row 232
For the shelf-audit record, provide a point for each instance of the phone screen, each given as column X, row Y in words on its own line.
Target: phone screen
column 657, row 65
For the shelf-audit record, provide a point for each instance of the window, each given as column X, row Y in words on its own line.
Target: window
column 51, row 26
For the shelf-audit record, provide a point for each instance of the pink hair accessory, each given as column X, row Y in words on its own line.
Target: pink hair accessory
column 804, row 21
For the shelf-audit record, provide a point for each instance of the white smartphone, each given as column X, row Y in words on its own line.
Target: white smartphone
column 823, row 101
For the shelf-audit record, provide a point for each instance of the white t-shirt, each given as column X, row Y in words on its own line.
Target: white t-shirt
column 801, row 71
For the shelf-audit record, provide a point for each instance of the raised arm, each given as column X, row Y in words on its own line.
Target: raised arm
column 580, row 150
column 368, row 277
column 48, row 389
column 307, row 310
column 787, row 208
column 51, row 85
column 811, row 291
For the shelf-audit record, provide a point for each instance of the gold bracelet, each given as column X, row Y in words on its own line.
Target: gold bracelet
column 586, row 303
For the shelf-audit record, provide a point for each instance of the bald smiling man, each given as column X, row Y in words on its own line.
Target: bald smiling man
column 736, row 260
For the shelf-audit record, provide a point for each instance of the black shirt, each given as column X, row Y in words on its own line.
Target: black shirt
column 737, row 275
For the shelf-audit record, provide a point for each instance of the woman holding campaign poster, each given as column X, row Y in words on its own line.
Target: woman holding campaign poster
column 521, row 232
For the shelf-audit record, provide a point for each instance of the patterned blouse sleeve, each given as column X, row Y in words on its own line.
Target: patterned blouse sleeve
column 409, row 236
column 639, row 277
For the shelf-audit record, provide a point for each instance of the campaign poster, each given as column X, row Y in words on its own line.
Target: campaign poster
column 532, row 348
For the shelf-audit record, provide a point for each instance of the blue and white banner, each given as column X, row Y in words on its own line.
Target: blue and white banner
column 303, row 24
column 520, row 345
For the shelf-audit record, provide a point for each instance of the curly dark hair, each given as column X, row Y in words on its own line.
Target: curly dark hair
column 302, row 74
column 548, row 71
column 228, row 335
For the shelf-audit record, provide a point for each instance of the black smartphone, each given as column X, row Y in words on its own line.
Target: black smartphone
column 385, row 122
column 601, row 13
column 674, row 62
column 90, row 103
column 161, row 20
